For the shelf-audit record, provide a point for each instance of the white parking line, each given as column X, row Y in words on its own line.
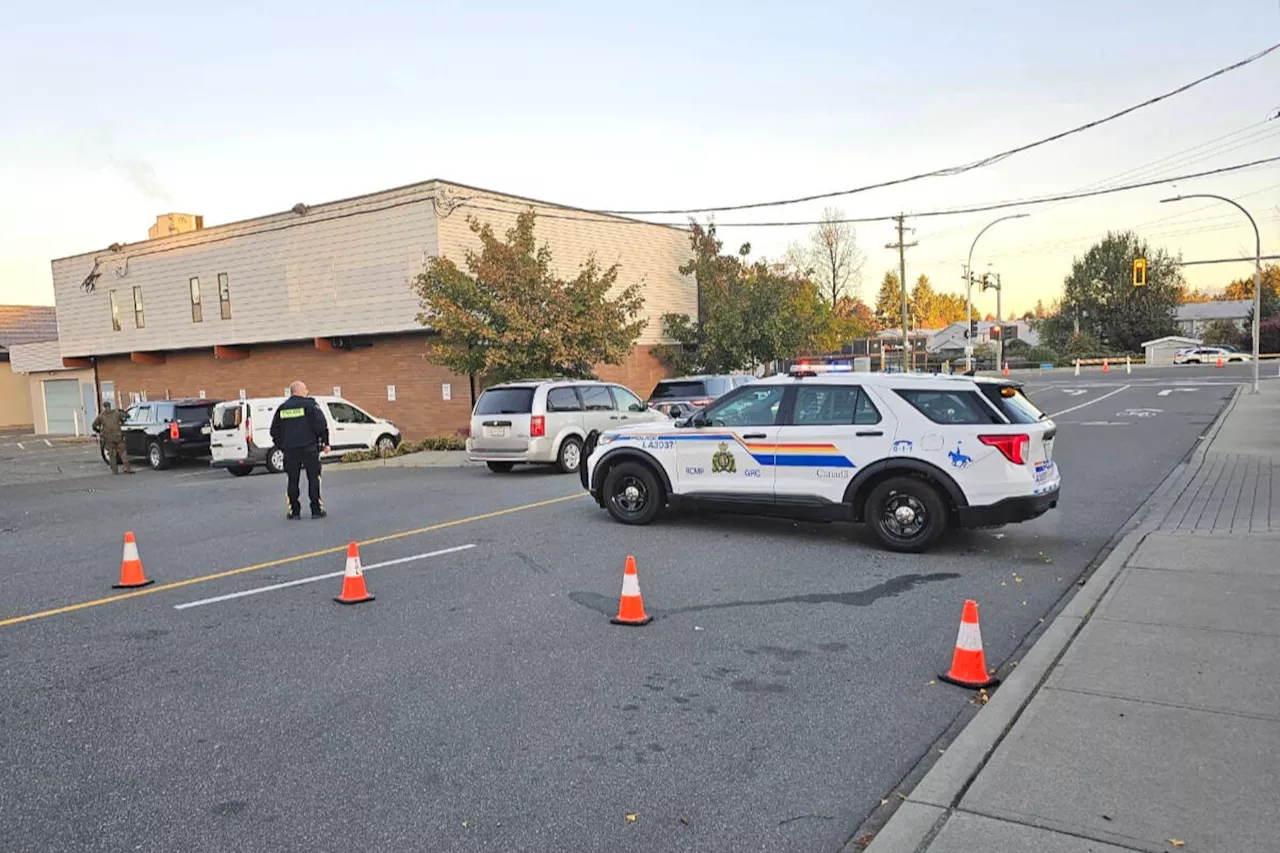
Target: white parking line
column 48, row 443
column 315, row 578
column 1091, row 402
column 20, row 447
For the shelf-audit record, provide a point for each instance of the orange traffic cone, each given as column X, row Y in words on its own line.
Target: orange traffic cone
column 1220, row 362
column 131, row 566
column 1106, row 366
column 969, row 664
column 631, row 605
column 1006, row 368
column 353, row 588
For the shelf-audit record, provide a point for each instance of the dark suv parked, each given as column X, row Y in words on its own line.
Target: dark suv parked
column 163, row 430
column 681, row 396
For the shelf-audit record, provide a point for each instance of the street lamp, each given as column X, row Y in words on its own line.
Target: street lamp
column 968, row 287
column 1257, row 271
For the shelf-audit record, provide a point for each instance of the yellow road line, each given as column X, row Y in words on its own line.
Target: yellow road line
column 339, row 549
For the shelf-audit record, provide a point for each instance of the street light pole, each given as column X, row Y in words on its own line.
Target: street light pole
column 968, row 287
column 1257, row 271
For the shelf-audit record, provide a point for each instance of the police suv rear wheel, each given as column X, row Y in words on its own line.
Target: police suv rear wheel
column 906, row 514
column 275, row 460
column 632, row 493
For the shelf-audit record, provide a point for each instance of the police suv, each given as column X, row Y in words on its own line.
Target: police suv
column 908, row 454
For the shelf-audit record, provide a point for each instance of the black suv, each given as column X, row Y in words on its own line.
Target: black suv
column 681, row 396
column 161, row 431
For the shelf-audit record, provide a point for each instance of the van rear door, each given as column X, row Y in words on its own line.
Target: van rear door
column 227, row 440
column 501, row 420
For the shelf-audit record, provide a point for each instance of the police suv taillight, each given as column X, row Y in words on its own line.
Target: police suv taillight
column 173, row 430
column 1011, row 446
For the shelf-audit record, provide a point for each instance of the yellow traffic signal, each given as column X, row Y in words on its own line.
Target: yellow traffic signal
column 1139, row 272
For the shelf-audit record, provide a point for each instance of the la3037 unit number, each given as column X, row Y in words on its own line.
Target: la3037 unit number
column 658, row 444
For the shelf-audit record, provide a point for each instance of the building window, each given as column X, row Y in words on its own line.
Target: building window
column 139, row 317
column 115, row 312
column 224, row 295
column 197, row 312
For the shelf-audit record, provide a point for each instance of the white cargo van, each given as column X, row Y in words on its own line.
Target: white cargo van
column 241, row 432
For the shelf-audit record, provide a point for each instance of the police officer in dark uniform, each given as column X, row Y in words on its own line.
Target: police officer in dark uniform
column 300, row 429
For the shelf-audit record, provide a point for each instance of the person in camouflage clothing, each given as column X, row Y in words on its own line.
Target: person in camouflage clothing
column 108, row 425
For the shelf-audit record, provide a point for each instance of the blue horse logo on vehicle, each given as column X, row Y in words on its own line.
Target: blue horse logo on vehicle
column 958, row 459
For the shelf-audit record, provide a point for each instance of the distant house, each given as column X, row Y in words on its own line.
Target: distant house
column 1194, row 317
column 21, row 324
column 953, row 337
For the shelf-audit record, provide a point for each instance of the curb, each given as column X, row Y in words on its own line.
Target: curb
column 931, row 803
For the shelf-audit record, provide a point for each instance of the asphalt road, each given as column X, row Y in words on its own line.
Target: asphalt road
column 483, row 701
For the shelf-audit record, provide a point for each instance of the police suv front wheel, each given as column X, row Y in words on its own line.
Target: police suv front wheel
column 632, row 493
column 906, row 514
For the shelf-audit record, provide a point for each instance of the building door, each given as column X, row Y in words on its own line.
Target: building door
column 61, row 405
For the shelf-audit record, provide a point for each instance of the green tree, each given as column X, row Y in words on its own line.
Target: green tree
column 1222, row 332
column 508, row 316
column 888, row 308
column 750, row 313
column 1100, row 292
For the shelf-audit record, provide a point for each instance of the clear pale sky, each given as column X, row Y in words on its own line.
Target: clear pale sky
column 113, row 113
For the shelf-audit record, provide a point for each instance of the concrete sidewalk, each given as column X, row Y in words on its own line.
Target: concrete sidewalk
column 1158, row 728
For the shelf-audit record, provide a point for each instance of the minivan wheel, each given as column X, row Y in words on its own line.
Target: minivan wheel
column 906, row 514
column 632, row 493
column 239, row 470
column 570, row 456
column 155, row 457
column 385, row 444
column 275, row 460
column 500, row 467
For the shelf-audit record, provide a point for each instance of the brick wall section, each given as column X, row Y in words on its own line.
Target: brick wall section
column 419, row 409
column 640, row 372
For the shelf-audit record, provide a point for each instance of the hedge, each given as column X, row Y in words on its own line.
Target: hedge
column 435, row 442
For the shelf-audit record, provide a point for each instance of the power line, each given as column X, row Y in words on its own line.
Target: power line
column 957, row 170
column 590, row 216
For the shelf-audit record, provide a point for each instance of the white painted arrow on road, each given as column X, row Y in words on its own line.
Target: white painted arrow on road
column 1166, row 392
column 1075, row 392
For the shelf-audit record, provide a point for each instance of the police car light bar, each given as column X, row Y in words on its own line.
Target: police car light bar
column 803, row 368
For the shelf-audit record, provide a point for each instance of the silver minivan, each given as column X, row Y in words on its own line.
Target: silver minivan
column 545, row 421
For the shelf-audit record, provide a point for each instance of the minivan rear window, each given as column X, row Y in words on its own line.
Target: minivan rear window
column 678, row 390
column 1015, row 405
column 227, row 417
column 505, row 401
column 192, row 414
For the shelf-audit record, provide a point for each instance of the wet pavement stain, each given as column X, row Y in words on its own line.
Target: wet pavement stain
column 861, row 598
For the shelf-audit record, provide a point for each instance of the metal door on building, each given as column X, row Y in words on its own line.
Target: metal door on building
column 61, row 405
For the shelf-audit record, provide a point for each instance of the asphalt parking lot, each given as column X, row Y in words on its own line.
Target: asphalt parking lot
column 484, row 701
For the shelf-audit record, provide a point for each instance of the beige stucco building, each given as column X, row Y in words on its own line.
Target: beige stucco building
column 323, row 293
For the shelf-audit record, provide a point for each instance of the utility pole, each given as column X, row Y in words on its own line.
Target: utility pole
column 999, row 327
column 902, row 247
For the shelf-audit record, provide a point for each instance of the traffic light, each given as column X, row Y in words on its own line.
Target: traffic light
column 1139, row 272
column 973, row 329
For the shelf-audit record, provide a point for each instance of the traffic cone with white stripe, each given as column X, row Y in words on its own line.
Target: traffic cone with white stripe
column 1221, row 363
column 1106, row 366
column 131, row 574
column 969, row 664
column 1006, row 368
column 353, row 588
column 631, row 605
